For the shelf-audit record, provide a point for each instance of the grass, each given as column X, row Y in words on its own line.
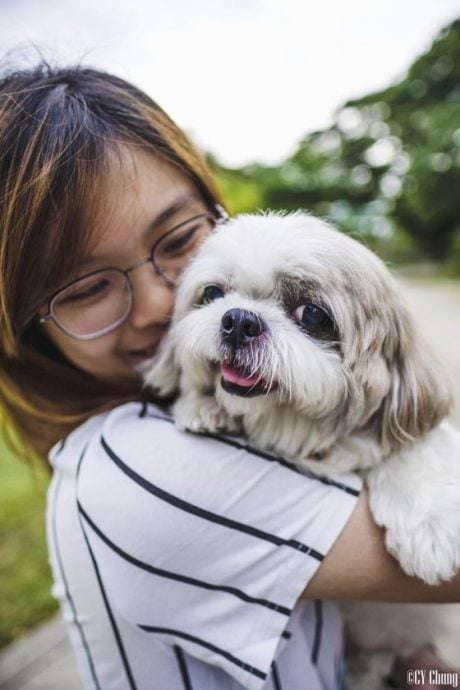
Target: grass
column 25, row 578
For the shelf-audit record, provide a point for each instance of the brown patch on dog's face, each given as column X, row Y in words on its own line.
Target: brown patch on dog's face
column 304, row 304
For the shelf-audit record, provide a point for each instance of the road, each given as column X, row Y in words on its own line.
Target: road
column 435, row 307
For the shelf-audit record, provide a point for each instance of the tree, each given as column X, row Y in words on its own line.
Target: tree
column 388, row 167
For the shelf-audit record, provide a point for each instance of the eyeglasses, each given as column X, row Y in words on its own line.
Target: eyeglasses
column 99, row 302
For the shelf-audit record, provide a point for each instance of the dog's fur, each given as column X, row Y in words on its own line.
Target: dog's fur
column 357, row 391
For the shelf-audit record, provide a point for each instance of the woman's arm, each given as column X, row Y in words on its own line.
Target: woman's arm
column 358, row 566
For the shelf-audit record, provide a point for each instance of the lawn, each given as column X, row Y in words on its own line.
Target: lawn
column 25, row 579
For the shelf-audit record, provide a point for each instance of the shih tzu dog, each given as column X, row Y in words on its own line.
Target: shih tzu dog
column 295, row 335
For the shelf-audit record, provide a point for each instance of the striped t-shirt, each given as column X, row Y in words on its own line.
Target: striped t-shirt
column 179, row 559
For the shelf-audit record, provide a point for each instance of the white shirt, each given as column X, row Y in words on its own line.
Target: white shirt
column 178, row 559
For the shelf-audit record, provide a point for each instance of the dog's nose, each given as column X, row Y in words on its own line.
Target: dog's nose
column 239, row 326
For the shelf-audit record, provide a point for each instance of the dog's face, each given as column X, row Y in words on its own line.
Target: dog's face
column 286, row 311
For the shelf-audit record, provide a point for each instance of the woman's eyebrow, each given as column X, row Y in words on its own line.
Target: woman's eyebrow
column 174, row 208
column 169, row 212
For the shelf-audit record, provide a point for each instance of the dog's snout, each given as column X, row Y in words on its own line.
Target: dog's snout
column 239, row 326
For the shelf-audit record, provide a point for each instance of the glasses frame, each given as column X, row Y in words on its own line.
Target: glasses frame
column 218, row 217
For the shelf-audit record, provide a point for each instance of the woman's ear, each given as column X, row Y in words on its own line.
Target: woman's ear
column 419, row 396
column 162, row 373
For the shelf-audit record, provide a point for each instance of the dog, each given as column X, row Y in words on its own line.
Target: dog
column 295, row 335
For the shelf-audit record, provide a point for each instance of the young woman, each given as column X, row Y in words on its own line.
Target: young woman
column 179, row 561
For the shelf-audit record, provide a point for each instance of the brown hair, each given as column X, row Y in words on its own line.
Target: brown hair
column 57, row 127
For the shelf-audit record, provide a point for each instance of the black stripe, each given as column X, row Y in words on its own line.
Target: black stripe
column 67, row 591
column 339, row 664
column 206, row 514
column 113, row 623
column 115, row 630
column 276, row 677
column 155, row 415
column 281, row 461
column 80, row 460
column 61, row 446
column 203, row 643
column 266, row 456
column 181, row 578
column 318, row 631
column 183, row 667
column 250, row 449
column 143, row 410
column 331, row 482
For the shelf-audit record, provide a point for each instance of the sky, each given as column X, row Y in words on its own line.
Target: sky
column 247, row 79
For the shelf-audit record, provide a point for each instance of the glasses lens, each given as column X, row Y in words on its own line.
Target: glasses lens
column 173, row 252
column 93, row 304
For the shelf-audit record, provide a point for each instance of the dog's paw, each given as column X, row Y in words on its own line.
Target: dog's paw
column 203, row 414
column 426, row 544
column 428, row 551
column 415, row 495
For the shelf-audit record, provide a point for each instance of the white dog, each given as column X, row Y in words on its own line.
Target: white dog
column 295, row 335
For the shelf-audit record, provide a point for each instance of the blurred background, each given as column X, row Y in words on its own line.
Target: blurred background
column 350, row 110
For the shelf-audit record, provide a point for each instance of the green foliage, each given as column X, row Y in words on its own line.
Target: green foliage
column 388, row 168
column 24, row 572
column 242, row 192
column 453, row 265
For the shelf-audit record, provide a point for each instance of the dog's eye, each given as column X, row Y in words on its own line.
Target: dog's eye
column 311, row 316
column 212, row 292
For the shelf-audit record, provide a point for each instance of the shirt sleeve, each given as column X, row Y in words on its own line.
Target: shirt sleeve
column 203, row 542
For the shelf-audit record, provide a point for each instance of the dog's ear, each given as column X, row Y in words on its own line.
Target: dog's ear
column 419, row 396
column 162, row 373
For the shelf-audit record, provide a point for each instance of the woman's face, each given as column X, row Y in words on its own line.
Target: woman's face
column 147, row 196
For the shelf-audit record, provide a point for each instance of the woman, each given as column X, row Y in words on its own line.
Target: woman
column 180, row 562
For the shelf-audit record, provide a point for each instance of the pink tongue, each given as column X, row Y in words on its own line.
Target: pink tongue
column 234, row 376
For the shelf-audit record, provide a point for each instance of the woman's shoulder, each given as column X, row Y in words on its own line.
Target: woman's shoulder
column 122, row 421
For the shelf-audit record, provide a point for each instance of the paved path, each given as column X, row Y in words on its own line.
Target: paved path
column 43, row 660
column 40, row 661
column 436, row 309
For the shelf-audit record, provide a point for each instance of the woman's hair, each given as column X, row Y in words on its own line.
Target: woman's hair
column 58, row 127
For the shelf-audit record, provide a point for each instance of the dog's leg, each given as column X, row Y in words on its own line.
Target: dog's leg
column 197, row 409
column 200, row 413
column 355, row 453
column 415, row 495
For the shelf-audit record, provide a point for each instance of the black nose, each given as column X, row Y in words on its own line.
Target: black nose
column 239, row 326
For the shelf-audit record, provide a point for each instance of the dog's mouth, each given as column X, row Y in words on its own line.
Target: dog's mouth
column 238, row 381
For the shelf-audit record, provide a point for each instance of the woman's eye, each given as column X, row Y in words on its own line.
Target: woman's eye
column 92, row 290
column 212, row 292
column 311, row 316
column 179, row 242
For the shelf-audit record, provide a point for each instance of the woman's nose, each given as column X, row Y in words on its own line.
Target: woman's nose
column 153, row 299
